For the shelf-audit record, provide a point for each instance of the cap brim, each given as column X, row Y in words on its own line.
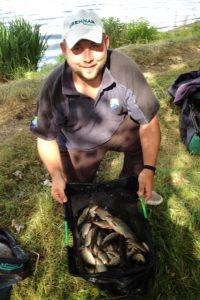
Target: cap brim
column 74, row 37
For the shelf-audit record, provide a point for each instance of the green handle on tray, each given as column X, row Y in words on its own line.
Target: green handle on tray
column 143, row 207
column 66, row 233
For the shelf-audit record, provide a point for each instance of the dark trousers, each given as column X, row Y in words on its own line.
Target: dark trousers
column 81, row 166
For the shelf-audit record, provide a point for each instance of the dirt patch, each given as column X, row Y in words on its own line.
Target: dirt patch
column 14, row 119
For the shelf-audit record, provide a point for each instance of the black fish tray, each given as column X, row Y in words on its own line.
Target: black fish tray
column 120, row 198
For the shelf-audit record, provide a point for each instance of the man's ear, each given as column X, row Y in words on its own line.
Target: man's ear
column 107, row 41
column 63, row 47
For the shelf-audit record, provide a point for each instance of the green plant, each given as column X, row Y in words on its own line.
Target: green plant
column 134, row 32
column 195, row 28
column 21, row 48
column 115, row 29
column 141, row 32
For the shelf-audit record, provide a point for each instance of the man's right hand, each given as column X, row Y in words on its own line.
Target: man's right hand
column 58, row 189
column 50, row 155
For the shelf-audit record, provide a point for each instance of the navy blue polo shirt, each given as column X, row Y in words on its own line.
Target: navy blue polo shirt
column 80, row 122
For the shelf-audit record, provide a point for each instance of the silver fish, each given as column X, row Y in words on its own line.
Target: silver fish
column 133, row 244
column 87, row 256
column 114, row 258
column 85, row 229
column 103, row 257
column 102, row 213
column 119, row 226
column 145, row 246
column 103, row 224
column 95, row 250
column 110, row 237
column 109, row 247
column 92, row 210
column 139, row 257
column 83, row 216
column 90, row 236
column 99, row 238
column 130, row 251
column 100, row 267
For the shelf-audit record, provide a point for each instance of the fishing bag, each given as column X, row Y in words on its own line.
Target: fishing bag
column 120, row 197
column 185, row 93
column 14, row 267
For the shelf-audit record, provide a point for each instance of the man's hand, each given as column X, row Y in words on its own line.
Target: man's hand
column 145, row 180
column 50, row 155
column 58, row 188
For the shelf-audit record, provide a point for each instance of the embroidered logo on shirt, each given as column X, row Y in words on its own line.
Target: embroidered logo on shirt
column 114, row 103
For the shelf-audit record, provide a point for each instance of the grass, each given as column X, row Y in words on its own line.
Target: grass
column 175, row 224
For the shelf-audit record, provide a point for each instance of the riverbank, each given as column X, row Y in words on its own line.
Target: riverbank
column 24, row 196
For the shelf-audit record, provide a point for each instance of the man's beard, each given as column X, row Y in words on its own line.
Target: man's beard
column 92, row 74
column 89, row 76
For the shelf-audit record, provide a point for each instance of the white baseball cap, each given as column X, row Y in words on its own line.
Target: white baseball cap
column 82, row 25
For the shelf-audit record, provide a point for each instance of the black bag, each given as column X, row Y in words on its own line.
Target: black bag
column 120, row 197
column 14, row 267
column 185, row 92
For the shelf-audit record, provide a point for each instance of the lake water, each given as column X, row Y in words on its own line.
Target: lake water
column 49, row 14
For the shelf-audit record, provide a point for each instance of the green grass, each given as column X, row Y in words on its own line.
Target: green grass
column 175, row 224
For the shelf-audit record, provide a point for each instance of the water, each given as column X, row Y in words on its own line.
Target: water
column 49, row 14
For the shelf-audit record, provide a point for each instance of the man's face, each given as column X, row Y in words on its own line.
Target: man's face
column 87, row 58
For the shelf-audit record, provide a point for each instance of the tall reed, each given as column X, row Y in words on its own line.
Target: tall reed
column 21, row 48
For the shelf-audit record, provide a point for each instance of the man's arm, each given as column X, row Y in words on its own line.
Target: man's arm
column 150, row 141
column 50, row 155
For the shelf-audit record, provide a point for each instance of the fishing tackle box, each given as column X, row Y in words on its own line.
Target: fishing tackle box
column 120, row 197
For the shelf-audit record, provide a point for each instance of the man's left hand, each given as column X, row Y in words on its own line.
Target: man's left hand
column 145, row 179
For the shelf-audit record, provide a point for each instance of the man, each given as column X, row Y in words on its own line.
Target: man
column 97, row 101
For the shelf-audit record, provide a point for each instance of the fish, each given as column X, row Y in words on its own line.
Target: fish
column 92, row 210
column 114, row 258
column 107, row 241
column 95, row 250
column 102, row 213
column 145, row 246
column 87, row 256
column 85, row 229
column 120, row 227
column 133, row 244
column 139, row 257
column 103, row 257
column 90, row 236
column 83, row 216
column 100, row 267
column 99, row 238
column 102, row 224
column 130, row 251
column 110, row 237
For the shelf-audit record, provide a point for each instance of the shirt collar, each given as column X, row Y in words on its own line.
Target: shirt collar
column 68, row 87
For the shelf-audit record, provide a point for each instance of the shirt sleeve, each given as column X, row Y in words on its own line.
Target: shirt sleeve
column 133, row 79
column 44, row 124
column 50, row 108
